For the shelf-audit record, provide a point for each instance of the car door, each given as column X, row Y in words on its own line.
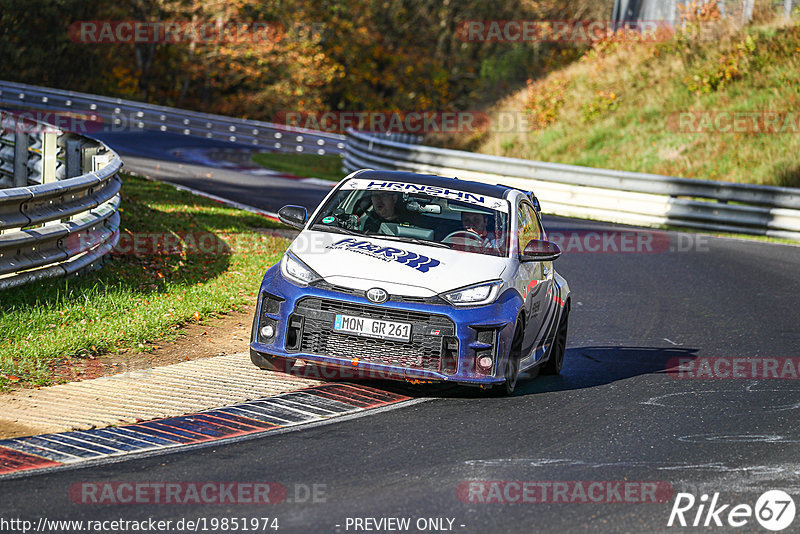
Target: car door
column 537, row 278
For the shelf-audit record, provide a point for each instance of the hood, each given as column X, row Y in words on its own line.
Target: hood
column 401, row 268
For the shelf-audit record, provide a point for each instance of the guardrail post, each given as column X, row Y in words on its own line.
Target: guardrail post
column 49, row 152
column 100, row 160
column 21, row 143
column 747, row 10
column 73, row 157
column 87, row 158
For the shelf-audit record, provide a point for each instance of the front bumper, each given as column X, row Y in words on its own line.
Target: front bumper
column 445, row 341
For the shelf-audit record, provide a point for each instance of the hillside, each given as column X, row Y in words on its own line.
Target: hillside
column 714, row 102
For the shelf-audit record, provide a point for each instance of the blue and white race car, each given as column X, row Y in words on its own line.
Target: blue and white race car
column 419, row 278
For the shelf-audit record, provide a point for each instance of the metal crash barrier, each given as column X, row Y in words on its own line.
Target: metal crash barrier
column 120, row 115
column 601, row 194
column 59, row 201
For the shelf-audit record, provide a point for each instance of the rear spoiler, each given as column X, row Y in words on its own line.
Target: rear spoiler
column 529, row 194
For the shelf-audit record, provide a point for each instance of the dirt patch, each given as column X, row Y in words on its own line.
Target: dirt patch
column 225, row 334
column 10, row 429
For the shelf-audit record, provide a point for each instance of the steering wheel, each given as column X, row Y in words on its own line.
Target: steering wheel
column 464, row 238
column 346, row 220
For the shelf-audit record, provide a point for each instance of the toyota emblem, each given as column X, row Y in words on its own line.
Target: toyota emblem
column 377, row 295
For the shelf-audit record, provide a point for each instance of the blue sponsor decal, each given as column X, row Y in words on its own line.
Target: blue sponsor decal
column 416, row 261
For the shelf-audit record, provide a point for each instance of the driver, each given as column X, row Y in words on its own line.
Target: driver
column 478, row 223
column 384, row 209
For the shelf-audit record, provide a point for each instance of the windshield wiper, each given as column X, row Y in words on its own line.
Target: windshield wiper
column 336, row 229
column 406, row 239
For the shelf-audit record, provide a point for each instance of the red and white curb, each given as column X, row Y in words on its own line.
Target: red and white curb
column 27, row 455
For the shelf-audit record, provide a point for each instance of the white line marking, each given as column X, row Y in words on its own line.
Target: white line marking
column 301, row 405
column 516, row 463
column 292, row 409
column 737, row 438
column 56, row 453
column 271, row 417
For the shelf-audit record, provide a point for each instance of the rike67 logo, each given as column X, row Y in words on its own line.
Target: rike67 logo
column 774, row 510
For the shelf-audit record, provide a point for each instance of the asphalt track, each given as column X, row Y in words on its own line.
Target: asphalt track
column 153, row 154
column 613, row 415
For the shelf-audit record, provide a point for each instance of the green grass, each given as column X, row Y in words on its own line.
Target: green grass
column 617, row 108
column 137, row 298
column 306, row 165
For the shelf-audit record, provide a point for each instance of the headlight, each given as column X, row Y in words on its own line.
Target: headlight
column 296, row 271
column 476, row 295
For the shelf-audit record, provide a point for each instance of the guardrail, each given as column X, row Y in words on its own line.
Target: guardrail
column 121, row 115
column 607, row 195
column 59, row 201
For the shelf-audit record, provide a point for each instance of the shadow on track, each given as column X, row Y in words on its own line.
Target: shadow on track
column 584, row 367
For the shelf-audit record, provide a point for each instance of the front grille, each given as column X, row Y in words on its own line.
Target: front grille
column 435, row 300
column 424, row 351
column 349, row 308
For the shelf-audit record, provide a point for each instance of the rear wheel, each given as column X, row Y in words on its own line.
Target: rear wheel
column 559, row 347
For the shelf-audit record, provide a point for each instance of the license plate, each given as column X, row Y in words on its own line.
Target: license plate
column 376, row 328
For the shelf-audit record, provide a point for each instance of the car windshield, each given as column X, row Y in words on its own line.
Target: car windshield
column 418, row 213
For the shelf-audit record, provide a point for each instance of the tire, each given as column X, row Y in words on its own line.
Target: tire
column 271, row 363
column 506, row 389
column 555, row 362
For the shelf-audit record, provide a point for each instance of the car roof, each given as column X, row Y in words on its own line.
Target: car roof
column 497, row 191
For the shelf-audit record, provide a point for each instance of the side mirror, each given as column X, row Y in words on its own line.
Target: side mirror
column 294, row 216
column 540, row 250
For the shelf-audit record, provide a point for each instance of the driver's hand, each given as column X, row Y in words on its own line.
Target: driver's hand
column 349, row 221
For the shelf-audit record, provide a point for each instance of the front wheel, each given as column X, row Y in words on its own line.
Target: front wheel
column 559, row 347
column 512, row 364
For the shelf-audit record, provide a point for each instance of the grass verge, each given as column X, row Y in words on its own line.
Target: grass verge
column 720, row 105
column 327, row 167
column 181, row 258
